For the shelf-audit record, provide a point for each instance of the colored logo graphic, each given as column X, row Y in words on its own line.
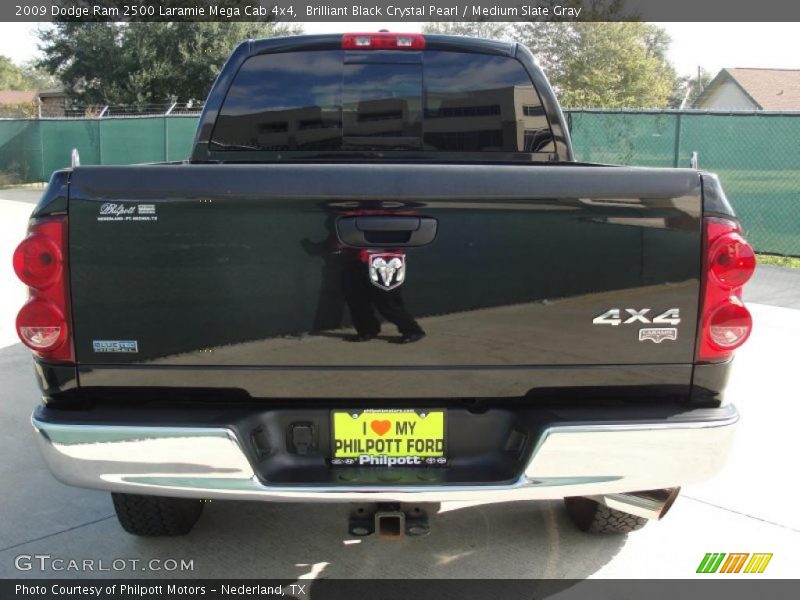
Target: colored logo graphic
column 734, row 563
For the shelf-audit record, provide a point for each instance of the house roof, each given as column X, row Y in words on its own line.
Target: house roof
column 52, row 93
column 769, row 89
column 18, row 96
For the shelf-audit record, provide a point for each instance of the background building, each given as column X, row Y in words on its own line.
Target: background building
column 752, row 89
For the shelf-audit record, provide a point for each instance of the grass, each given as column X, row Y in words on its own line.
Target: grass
column 6, row 185
column 792, row 262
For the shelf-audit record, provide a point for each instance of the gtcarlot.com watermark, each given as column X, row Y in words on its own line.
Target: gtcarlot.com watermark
column 47, row 562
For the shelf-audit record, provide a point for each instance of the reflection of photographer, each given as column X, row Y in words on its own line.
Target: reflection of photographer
column 362, row 295
column 330, row 304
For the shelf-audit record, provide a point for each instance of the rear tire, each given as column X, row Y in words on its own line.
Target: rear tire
column 156, row 515
column 593, row 517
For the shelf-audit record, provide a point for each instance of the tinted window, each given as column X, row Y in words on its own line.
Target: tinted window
column 382, row 101
column 284, row 102
column 479, row 103
column 443, row 102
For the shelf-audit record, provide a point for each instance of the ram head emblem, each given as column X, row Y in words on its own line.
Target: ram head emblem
column 387, row 270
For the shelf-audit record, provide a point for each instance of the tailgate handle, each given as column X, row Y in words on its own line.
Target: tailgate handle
column 386, row 230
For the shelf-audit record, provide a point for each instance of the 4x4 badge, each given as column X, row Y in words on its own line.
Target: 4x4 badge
column 387, row 270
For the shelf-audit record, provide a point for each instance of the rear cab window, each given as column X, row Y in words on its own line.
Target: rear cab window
column 383, row 103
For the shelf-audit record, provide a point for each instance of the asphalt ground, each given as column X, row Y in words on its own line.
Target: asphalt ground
column 751, row 506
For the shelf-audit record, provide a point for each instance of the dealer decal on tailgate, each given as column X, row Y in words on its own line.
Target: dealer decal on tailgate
column 389, row 437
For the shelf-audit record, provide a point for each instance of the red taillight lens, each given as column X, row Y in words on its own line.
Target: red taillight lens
column 729, row 325
column 725, row 322
column 39, row 262
column 383, row 41
column 732, row 260
column 41, row 325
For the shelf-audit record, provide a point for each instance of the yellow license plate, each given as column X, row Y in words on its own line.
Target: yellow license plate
column 389, row 437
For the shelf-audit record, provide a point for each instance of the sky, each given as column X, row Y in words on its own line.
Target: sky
column 709, row 45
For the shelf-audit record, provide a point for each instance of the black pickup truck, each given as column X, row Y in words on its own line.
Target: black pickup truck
column 383, row 279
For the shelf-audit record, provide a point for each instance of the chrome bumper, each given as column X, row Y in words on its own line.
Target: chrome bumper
column 591, row 459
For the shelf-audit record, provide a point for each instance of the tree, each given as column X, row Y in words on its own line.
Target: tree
column 86, row 57
column 143, row 63
column 11, row 77
column 592, row 64
column 690, row 88
column 26, row 77
column 604, row 64
column 482, row 29
column 38, row 78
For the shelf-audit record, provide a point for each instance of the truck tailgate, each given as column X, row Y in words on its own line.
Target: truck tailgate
column 223, row 265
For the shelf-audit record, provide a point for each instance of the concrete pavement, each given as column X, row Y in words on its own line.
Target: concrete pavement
column 776, row 286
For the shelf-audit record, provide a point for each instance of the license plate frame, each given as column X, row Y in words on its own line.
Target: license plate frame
column 388, row 437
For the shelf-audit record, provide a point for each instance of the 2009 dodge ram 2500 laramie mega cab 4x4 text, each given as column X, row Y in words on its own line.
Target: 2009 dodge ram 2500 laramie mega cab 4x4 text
column 382, row 278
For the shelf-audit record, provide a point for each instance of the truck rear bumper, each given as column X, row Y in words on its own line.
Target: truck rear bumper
column 593, row 458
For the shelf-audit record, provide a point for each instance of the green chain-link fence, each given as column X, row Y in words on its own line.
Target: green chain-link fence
column 30, row 150
column 757, row 155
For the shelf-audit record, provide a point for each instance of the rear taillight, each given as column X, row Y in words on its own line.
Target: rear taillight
column 725, row 322
column 40, row 263
column 383, row 41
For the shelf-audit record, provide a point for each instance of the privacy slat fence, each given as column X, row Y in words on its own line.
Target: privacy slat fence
column 757, row 155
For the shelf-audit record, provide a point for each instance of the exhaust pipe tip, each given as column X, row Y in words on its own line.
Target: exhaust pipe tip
column 650, row 504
